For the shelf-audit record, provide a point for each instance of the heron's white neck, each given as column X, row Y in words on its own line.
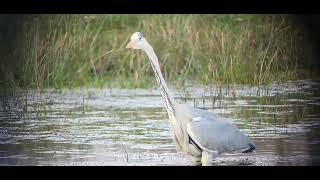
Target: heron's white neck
column 169, row 101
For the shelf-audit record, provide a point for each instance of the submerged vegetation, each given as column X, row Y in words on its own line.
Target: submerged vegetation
column 89, row 50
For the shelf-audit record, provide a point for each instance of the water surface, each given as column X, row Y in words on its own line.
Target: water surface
column 130, row 127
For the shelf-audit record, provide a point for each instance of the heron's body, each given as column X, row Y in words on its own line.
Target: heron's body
column 198, row 132
column 206, row 131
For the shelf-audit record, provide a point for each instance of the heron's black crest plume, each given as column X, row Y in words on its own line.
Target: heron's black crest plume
column 141, row 34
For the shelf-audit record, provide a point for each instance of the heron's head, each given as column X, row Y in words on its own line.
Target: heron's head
column 137, row 41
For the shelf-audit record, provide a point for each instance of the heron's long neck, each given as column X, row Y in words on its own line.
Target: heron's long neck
column 169, row 101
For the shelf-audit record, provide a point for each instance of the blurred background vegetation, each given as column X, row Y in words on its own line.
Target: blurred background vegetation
column 65, row 51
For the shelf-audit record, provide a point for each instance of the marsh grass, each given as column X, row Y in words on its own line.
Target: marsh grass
column 89, row 50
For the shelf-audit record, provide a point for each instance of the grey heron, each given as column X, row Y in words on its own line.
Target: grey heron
column 202, row 134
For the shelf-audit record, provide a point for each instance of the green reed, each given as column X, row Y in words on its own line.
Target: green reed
column 89, row 50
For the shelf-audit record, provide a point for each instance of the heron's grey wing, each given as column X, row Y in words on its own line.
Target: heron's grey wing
column 217, row 134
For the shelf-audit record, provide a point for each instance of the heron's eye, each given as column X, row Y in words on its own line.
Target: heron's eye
column 139, row 38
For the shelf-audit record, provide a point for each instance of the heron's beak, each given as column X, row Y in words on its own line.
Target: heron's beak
column 129, row 45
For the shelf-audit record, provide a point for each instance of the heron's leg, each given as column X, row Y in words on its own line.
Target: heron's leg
column 207, row 158
column 196, row 160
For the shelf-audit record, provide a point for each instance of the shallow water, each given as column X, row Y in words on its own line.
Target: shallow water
column 130, row 127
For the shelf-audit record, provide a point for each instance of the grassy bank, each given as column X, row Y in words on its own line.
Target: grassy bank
column 89, row 50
